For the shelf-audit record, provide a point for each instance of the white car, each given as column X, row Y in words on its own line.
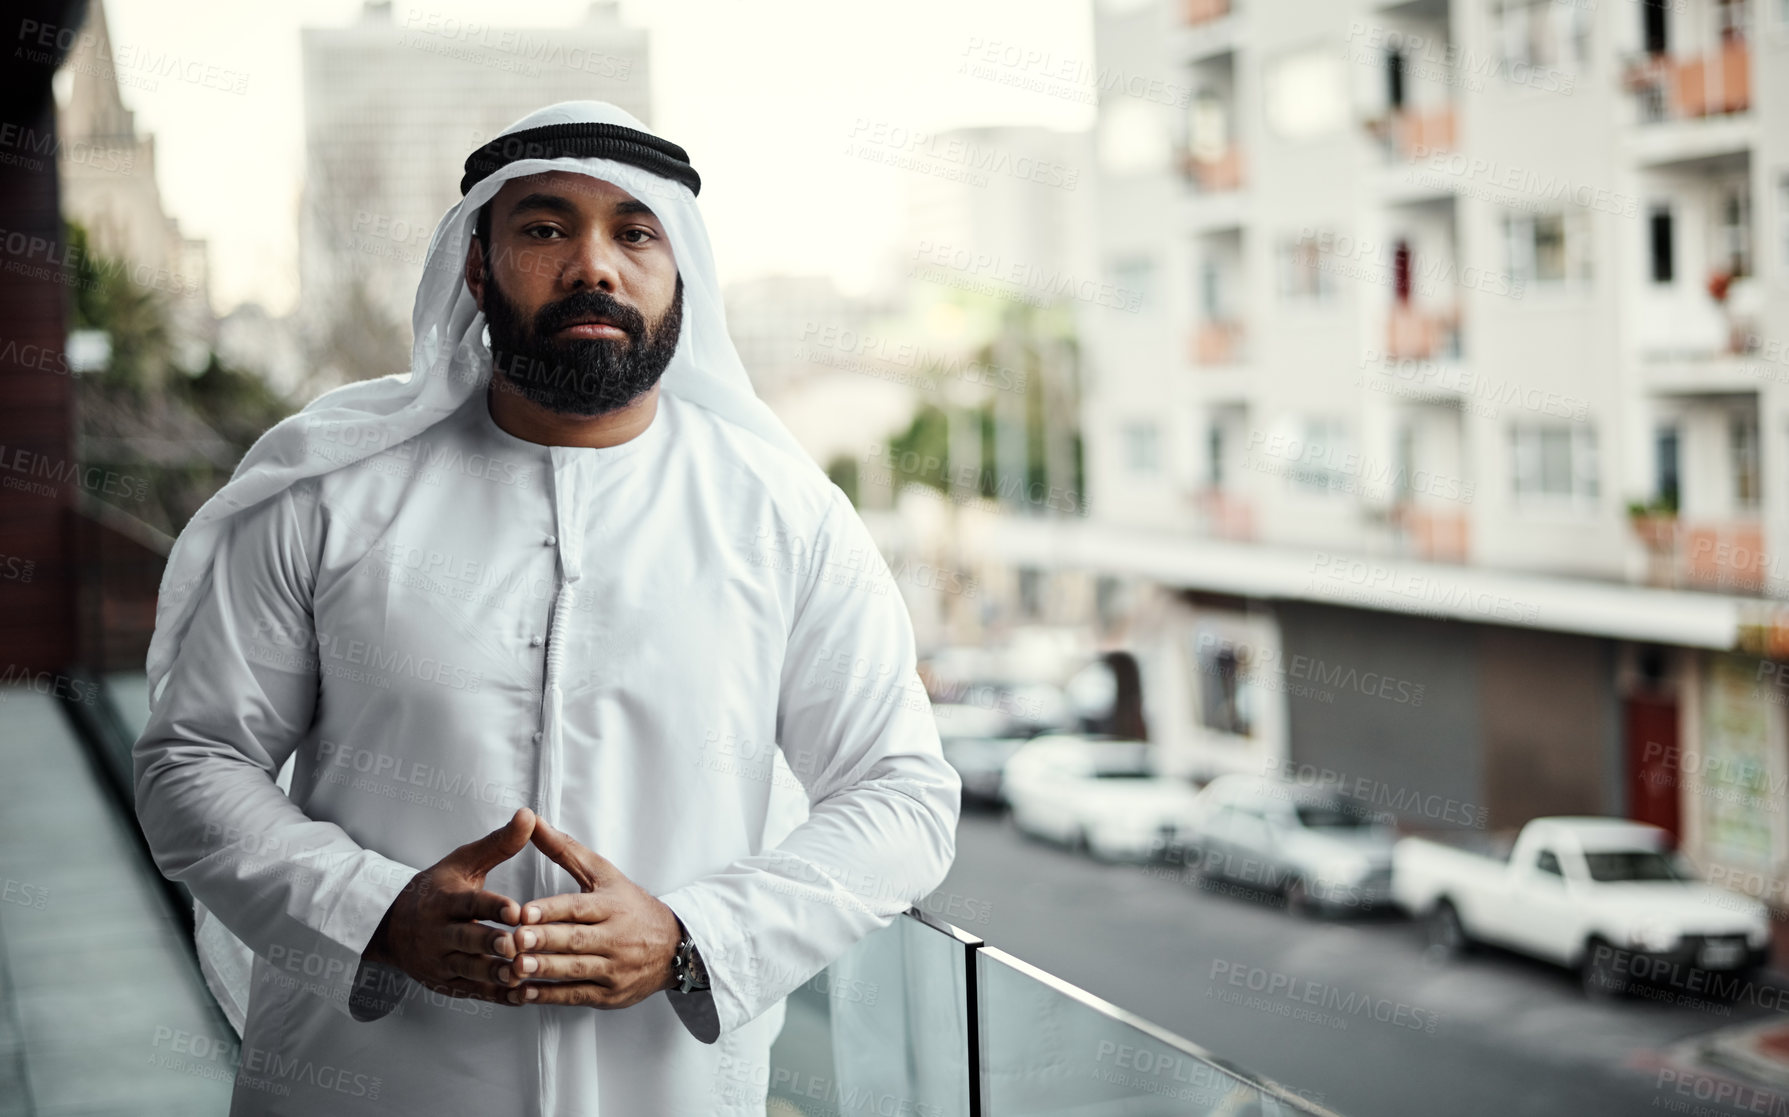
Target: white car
column 978, row 741
column 1320, row 850
column 1104, row 794
column 1606, row 896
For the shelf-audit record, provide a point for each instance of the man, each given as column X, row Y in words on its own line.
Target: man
column 546, row 631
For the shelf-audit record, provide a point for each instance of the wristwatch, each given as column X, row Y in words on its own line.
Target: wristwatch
column 686, row 967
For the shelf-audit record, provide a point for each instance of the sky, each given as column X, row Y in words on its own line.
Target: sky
column 764, row 94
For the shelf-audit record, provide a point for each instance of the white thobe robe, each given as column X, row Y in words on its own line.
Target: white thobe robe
column 619, row 637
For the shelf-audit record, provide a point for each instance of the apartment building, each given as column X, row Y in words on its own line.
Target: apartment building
column 1447, row 431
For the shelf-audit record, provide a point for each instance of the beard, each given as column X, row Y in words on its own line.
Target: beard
column 582, row 376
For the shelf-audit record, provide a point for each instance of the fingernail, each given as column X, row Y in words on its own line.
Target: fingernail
column 527, row 938
column 532, row 914
column 503, row 974
column 515, row 996
column 533, row 993
column 529, row 965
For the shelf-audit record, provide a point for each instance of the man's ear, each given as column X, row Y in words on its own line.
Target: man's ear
column 475, row 271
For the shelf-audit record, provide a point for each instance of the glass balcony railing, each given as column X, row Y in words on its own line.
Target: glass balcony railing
column 923, row 1019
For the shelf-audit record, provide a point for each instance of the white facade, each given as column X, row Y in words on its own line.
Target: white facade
column 1431, row 328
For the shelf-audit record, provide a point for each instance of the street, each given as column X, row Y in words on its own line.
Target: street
column 1493, row 1034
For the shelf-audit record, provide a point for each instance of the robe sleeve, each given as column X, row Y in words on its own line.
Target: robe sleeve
column 239, row 697
column 857, row 729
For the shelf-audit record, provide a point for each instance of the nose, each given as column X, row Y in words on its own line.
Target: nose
column 594, row 262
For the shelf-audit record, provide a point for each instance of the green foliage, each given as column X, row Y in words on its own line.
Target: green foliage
column 136, row 318
column 238, row 405
column 843, row 472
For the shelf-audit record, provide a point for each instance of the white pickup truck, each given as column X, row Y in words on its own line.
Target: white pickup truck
column 1607, row 897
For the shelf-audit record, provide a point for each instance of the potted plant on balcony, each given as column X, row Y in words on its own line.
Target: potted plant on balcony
column 1655, row 521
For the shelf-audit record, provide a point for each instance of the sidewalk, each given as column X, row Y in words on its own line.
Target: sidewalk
column 102, row 1010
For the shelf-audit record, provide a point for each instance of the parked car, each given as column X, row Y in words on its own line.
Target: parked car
column 1104, row 794
column 978, row 741
column 1610, row 898
column 1322, row 851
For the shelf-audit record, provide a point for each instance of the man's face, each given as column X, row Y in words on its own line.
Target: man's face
column 580, row 290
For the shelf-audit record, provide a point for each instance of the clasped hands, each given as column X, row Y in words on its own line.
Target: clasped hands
column 609, row 945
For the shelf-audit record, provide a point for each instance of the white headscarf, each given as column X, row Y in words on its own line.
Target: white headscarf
column 449, row 361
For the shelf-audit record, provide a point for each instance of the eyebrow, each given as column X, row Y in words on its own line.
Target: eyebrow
column 562, row 206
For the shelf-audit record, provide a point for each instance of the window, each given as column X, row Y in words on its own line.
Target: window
column 1547, row 247
column 1665, row 465
column 1548, row 863
column 1404, row 462
column 1553, row 461
column 1546, row 35
column 1226, row 695
column 1031, row 595
column 1319, row 455
column 1654, row 26
column 1211, row 302
column 1733, row 237
column 1659, row 244
column 1306, row 268
column 1207, row 127
column 1214, row 455
column 1744, row 446
column 1134, row 275
column 1783, row 208
column 1142, row 452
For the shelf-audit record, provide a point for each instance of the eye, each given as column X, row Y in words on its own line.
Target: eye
column 533, row 229
column 646, row 235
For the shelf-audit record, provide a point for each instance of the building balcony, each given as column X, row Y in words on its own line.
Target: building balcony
column 1410, row 134
column 1432, row 534
column 1218, row 342
column 1678, row 87
column 1721, row 555
column 1224, row 515
column 1212, row 175
column 1194, row 12
column 1417, row 334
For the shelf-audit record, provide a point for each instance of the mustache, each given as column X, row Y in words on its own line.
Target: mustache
column 583, row 304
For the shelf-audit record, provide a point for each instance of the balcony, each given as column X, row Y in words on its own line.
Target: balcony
column 1224, row 515
column 1670, row 87
column 921, row 1017
column 1410, row 134
column 1213, row 174
column 1726, row 556
column 1217, row 343
column 1195, row 12
column 1416, row 334
column 1432, row 534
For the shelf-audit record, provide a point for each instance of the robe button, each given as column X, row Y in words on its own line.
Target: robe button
column 552, row 539
column 534, row 641
column 537, row 736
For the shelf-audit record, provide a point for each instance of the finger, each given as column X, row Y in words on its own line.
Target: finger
column 565, row 967
column 498, row 846
column 589, row 993
column 567, row 907
column 586, row 936
column 477, row 991
column 484, row 904
column 476, row 938
column 588, row 868
column 477, row 967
